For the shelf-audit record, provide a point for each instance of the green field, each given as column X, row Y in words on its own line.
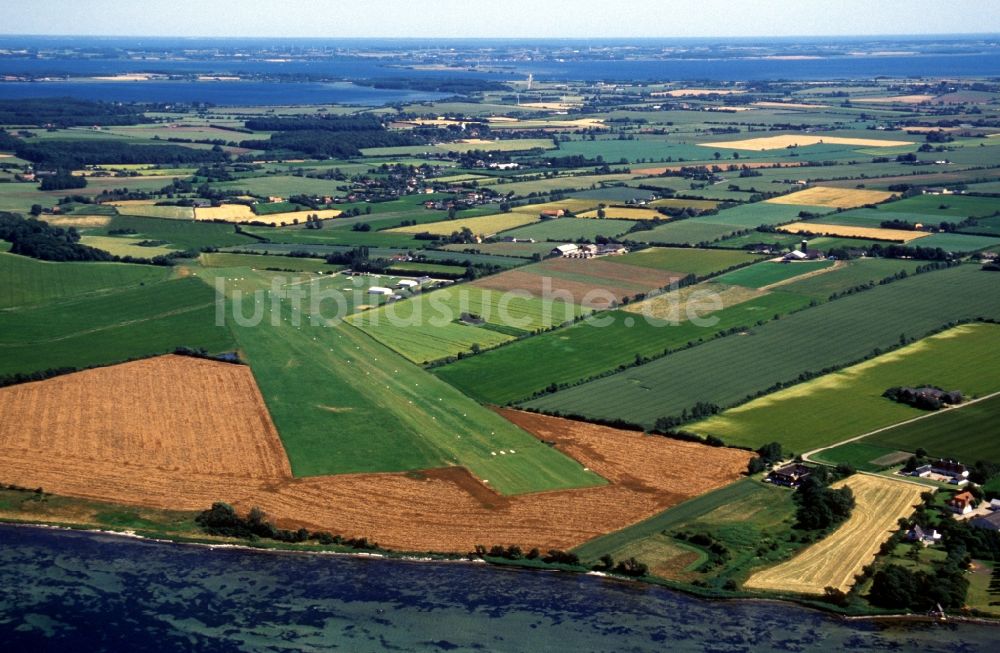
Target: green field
column 128, row 246
column 180, row 234
column 344, row 403
column 110, row 327
column 959, row 242
column 281, row 186
column 829, row 335
column 430, row 269
column 28, row 281
column 849, row 403
column 692, row 231
column 947, row 207
column 767, row 273
column 571, row 229
column 854, row 273
column 966, row 433
column 750, row 519
column 699, row 262
column 426, row 328
column 750, row 216
column 520, row 369
column 860, row 455
column 259, row 262
column 153, row 211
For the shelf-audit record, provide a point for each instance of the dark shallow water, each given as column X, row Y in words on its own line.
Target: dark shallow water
column 219, row 93
column 73, row 591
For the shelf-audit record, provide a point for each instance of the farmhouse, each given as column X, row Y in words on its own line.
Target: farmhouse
column 990, row 522
column 925, row 537
column 789, row 475
column 379, row 290
column 407, row 283
column 962, row 503
column 564, row 250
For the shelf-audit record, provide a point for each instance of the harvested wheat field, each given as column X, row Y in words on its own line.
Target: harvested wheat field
column 699, row 300
column 448, row 510
column 227, row 212
column 801, row 140
column 171, row 413
column 115, row 434
column 830, row 197
column 871, row 233
column 77, row 221
column 836, row 559
column 626, row 213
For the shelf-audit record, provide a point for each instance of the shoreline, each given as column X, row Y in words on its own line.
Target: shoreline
column 511, row 565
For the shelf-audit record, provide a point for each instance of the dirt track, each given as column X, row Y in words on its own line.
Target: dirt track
column 180, row 433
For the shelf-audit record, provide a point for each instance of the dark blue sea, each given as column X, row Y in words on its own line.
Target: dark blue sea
column 943, row 57
column 80, row 592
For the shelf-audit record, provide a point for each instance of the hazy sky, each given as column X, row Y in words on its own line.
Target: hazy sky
column 499, row 18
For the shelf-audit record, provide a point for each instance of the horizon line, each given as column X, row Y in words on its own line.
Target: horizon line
column 600, row 38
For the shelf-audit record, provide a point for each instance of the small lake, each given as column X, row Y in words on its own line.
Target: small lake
column 76, row 591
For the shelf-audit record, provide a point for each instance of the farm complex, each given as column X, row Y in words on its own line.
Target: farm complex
column 738, row 338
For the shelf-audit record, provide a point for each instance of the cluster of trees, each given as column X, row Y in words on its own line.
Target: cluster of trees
column 554, row 556
column 899, row 588
column 630, row 567
column 331, row 136
column 820, row 507
column 68, row 112
column 62, row 180
column 700, row 410
column 923, row 398
column 68, row 155
column 222, row 520
column 766, row 455
column 43, row 241
column 718, row 554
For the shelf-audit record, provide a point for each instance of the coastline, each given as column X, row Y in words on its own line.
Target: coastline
column 278, row 548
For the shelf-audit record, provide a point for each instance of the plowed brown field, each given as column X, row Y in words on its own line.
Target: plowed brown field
column 581, row 279
column 181, row 433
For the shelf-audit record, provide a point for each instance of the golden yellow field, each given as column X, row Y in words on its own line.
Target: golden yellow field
column 227, row 212
column 486, row 225
column 836, row 559
column 801, row 140
column 125, row 246
column 78, row 221
column 574, row 206
column 296, row 217
column 693, row 301
column 837, row 198
column 873, row 233
column 626, row 213
column 243, row 213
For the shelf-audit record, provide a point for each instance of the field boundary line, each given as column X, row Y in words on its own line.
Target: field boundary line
column 809, row 454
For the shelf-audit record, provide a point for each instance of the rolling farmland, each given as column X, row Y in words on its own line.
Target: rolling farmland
column 400, row 418
column 837, row 558
column 109, row 327
column 966, row 433
column 829, row 335
column 849, row 403
column 28, row 281
column 578, row 352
